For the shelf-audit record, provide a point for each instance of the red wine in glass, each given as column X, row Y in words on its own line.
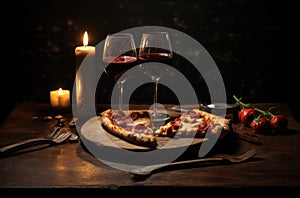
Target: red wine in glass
column 118, row 66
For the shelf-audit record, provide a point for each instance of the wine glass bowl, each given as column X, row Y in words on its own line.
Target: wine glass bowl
column 155, row 47
column 154, row 70
column 121, row 55
column 118, row 66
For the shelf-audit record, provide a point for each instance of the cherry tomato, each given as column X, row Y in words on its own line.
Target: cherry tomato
column 246, row 115
column 260, row 124
column 279, row 122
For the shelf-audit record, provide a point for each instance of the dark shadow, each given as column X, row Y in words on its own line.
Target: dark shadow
column 138, row 178
column 26, row 150
column 288, row 132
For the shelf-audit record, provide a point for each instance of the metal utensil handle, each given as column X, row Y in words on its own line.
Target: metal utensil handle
column 23, row 144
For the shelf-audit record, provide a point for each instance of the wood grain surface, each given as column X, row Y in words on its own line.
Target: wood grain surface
column 275, row 166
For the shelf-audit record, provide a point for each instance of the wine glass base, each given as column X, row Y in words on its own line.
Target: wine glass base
column 159, row 117
column 159, row 120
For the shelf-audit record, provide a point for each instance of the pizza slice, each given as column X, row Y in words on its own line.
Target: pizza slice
column 195, row 122
column 132, row 126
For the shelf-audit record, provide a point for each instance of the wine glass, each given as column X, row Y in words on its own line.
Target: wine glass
column 121, row 54
column 155, row 47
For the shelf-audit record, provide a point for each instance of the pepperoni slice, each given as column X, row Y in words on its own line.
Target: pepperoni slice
column 135, row 115
column 116, row 114
column 176, row 124
column 203, row 126
column 122, row 122
column 140, row 128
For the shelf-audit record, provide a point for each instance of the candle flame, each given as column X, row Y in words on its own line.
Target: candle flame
column 60, row 92
column 85, row 39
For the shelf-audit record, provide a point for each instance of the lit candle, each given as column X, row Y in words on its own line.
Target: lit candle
column 60, row 99
column 82, row 51
column 85, row 67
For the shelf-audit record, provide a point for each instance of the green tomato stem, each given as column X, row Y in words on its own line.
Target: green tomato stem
column 239, row 102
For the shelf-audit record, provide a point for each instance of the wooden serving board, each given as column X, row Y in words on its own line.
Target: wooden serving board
column 93, row 131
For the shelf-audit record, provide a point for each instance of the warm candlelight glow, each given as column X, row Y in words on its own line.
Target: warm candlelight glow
column 60, row 92
column 85, row 39
column 60, row 99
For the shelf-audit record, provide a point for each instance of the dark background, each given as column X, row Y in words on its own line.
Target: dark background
column 254, row 43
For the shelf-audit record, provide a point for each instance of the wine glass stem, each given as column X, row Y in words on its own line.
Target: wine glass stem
column 155, row 97
column 120, row 95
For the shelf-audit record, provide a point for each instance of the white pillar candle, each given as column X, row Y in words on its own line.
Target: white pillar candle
column 85, row 57
column 82, row 51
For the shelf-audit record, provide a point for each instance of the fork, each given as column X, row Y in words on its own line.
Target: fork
column 146, row 170
column 56, row 137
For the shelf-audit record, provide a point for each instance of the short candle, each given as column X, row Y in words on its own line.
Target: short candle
column 60, row 99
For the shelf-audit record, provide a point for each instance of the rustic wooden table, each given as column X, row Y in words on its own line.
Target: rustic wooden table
column 275, row 166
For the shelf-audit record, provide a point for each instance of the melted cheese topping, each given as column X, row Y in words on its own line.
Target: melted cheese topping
column 141, row 121
column 188, row 128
